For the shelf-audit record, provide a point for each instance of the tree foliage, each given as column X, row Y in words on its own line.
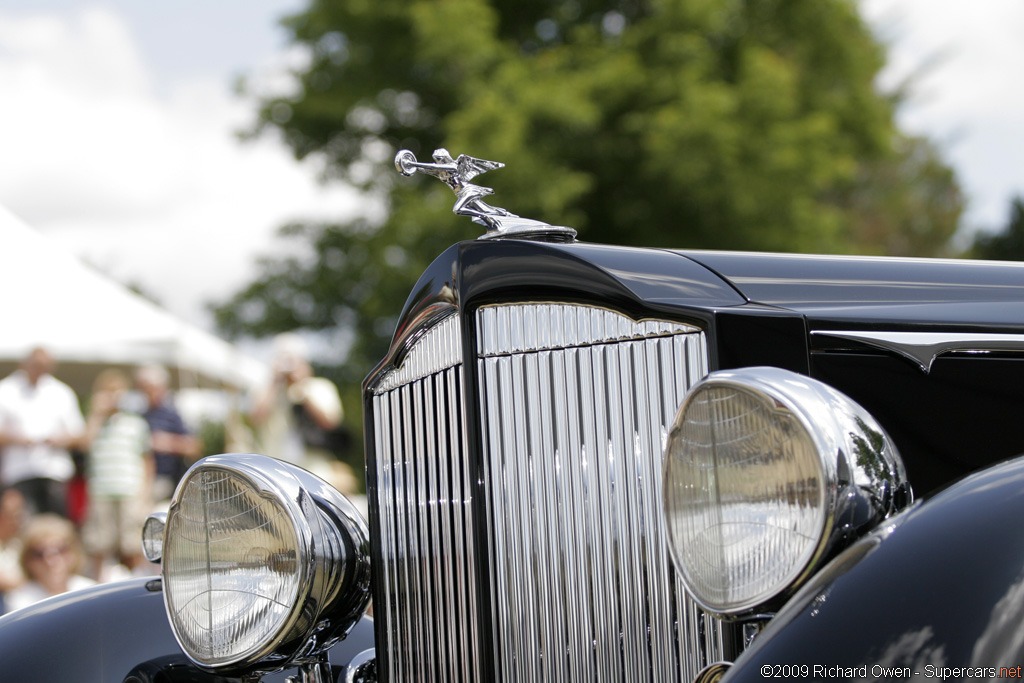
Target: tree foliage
column 734, row 124
column 1006, row 245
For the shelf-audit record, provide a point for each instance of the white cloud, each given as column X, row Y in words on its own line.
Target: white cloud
column 90, row 52
column 152, row 186
column 968, row 57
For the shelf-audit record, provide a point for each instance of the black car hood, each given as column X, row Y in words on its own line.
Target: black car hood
column 839, row 291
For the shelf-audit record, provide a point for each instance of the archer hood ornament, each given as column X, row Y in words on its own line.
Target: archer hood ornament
column 456, row 174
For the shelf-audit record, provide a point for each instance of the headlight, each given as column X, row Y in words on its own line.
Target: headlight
column 153, row 536
column 767, row 472
column 262, row 562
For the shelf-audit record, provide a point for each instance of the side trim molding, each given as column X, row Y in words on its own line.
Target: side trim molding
column 922, row 348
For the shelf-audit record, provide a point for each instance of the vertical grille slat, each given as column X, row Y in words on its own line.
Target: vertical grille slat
column 386, row 511
column 413, row 595
column 656, row 549
column 580, row 604
column 574, row 404
column 499, row 508
column 441, row 492
column 524, row 580
column 551, row 528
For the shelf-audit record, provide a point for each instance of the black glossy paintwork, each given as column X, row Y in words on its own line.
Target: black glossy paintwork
column 619, row 277
column 888, row 293
column 942, row 585
column 752, row 334
column 963, row 415
column 108, row 633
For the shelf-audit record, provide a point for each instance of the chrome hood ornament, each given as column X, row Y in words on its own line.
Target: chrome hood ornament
column 456, row 174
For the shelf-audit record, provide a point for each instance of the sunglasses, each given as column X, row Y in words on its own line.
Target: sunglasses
column 44, row 552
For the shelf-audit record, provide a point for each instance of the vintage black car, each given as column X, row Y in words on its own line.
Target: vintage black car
column 593, row 463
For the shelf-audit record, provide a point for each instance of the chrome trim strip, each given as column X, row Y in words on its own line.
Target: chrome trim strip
column 437, row 349
column 428, row 624
column 522, row 328
column 386, row 507
column 922, row 348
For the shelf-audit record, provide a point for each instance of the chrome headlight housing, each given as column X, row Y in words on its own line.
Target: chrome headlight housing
column 262, row 563
column 768, row 473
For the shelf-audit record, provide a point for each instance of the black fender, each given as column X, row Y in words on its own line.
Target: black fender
column 935, row 592
column 117, row 633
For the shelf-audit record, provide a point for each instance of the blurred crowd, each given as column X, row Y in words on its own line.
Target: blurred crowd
column 75, row 488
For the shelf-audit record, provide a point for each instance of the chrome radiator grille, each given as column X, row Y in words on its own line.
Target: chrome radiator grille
column 575, row 404
column 424, row 507
column 576, row 407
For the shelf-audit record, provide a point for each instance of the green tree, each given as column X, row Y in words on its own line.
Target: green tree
column 748, row 124
column 1007, row 245
column 905, row 204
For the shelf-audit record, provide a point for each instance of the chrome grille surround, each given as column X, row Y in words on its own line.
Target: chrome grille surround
column 577, row 582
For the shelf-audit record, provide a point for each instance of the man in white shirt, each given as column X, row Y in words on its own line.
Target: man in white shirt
column 40, row 421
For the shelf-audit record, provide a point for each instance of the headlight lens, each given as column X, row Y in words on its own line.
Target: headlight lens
column 153, row 536
column 747, row 502
column 256, row 555
column 760, row 467
column 233, row 564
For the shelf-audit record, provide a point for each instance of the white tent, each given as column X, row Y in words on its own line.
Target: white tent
column 51, row 299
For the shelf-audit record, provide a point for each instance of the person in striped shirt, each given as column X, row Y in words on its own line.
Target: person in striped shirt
column 120, row 471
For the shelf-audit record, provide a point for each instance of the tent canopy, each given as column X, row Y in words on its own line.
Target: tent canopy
column 88, row 322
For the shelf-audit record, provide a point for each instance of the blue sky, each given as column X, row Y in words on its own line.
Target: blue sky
column 118, row 127
column 188, row 38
